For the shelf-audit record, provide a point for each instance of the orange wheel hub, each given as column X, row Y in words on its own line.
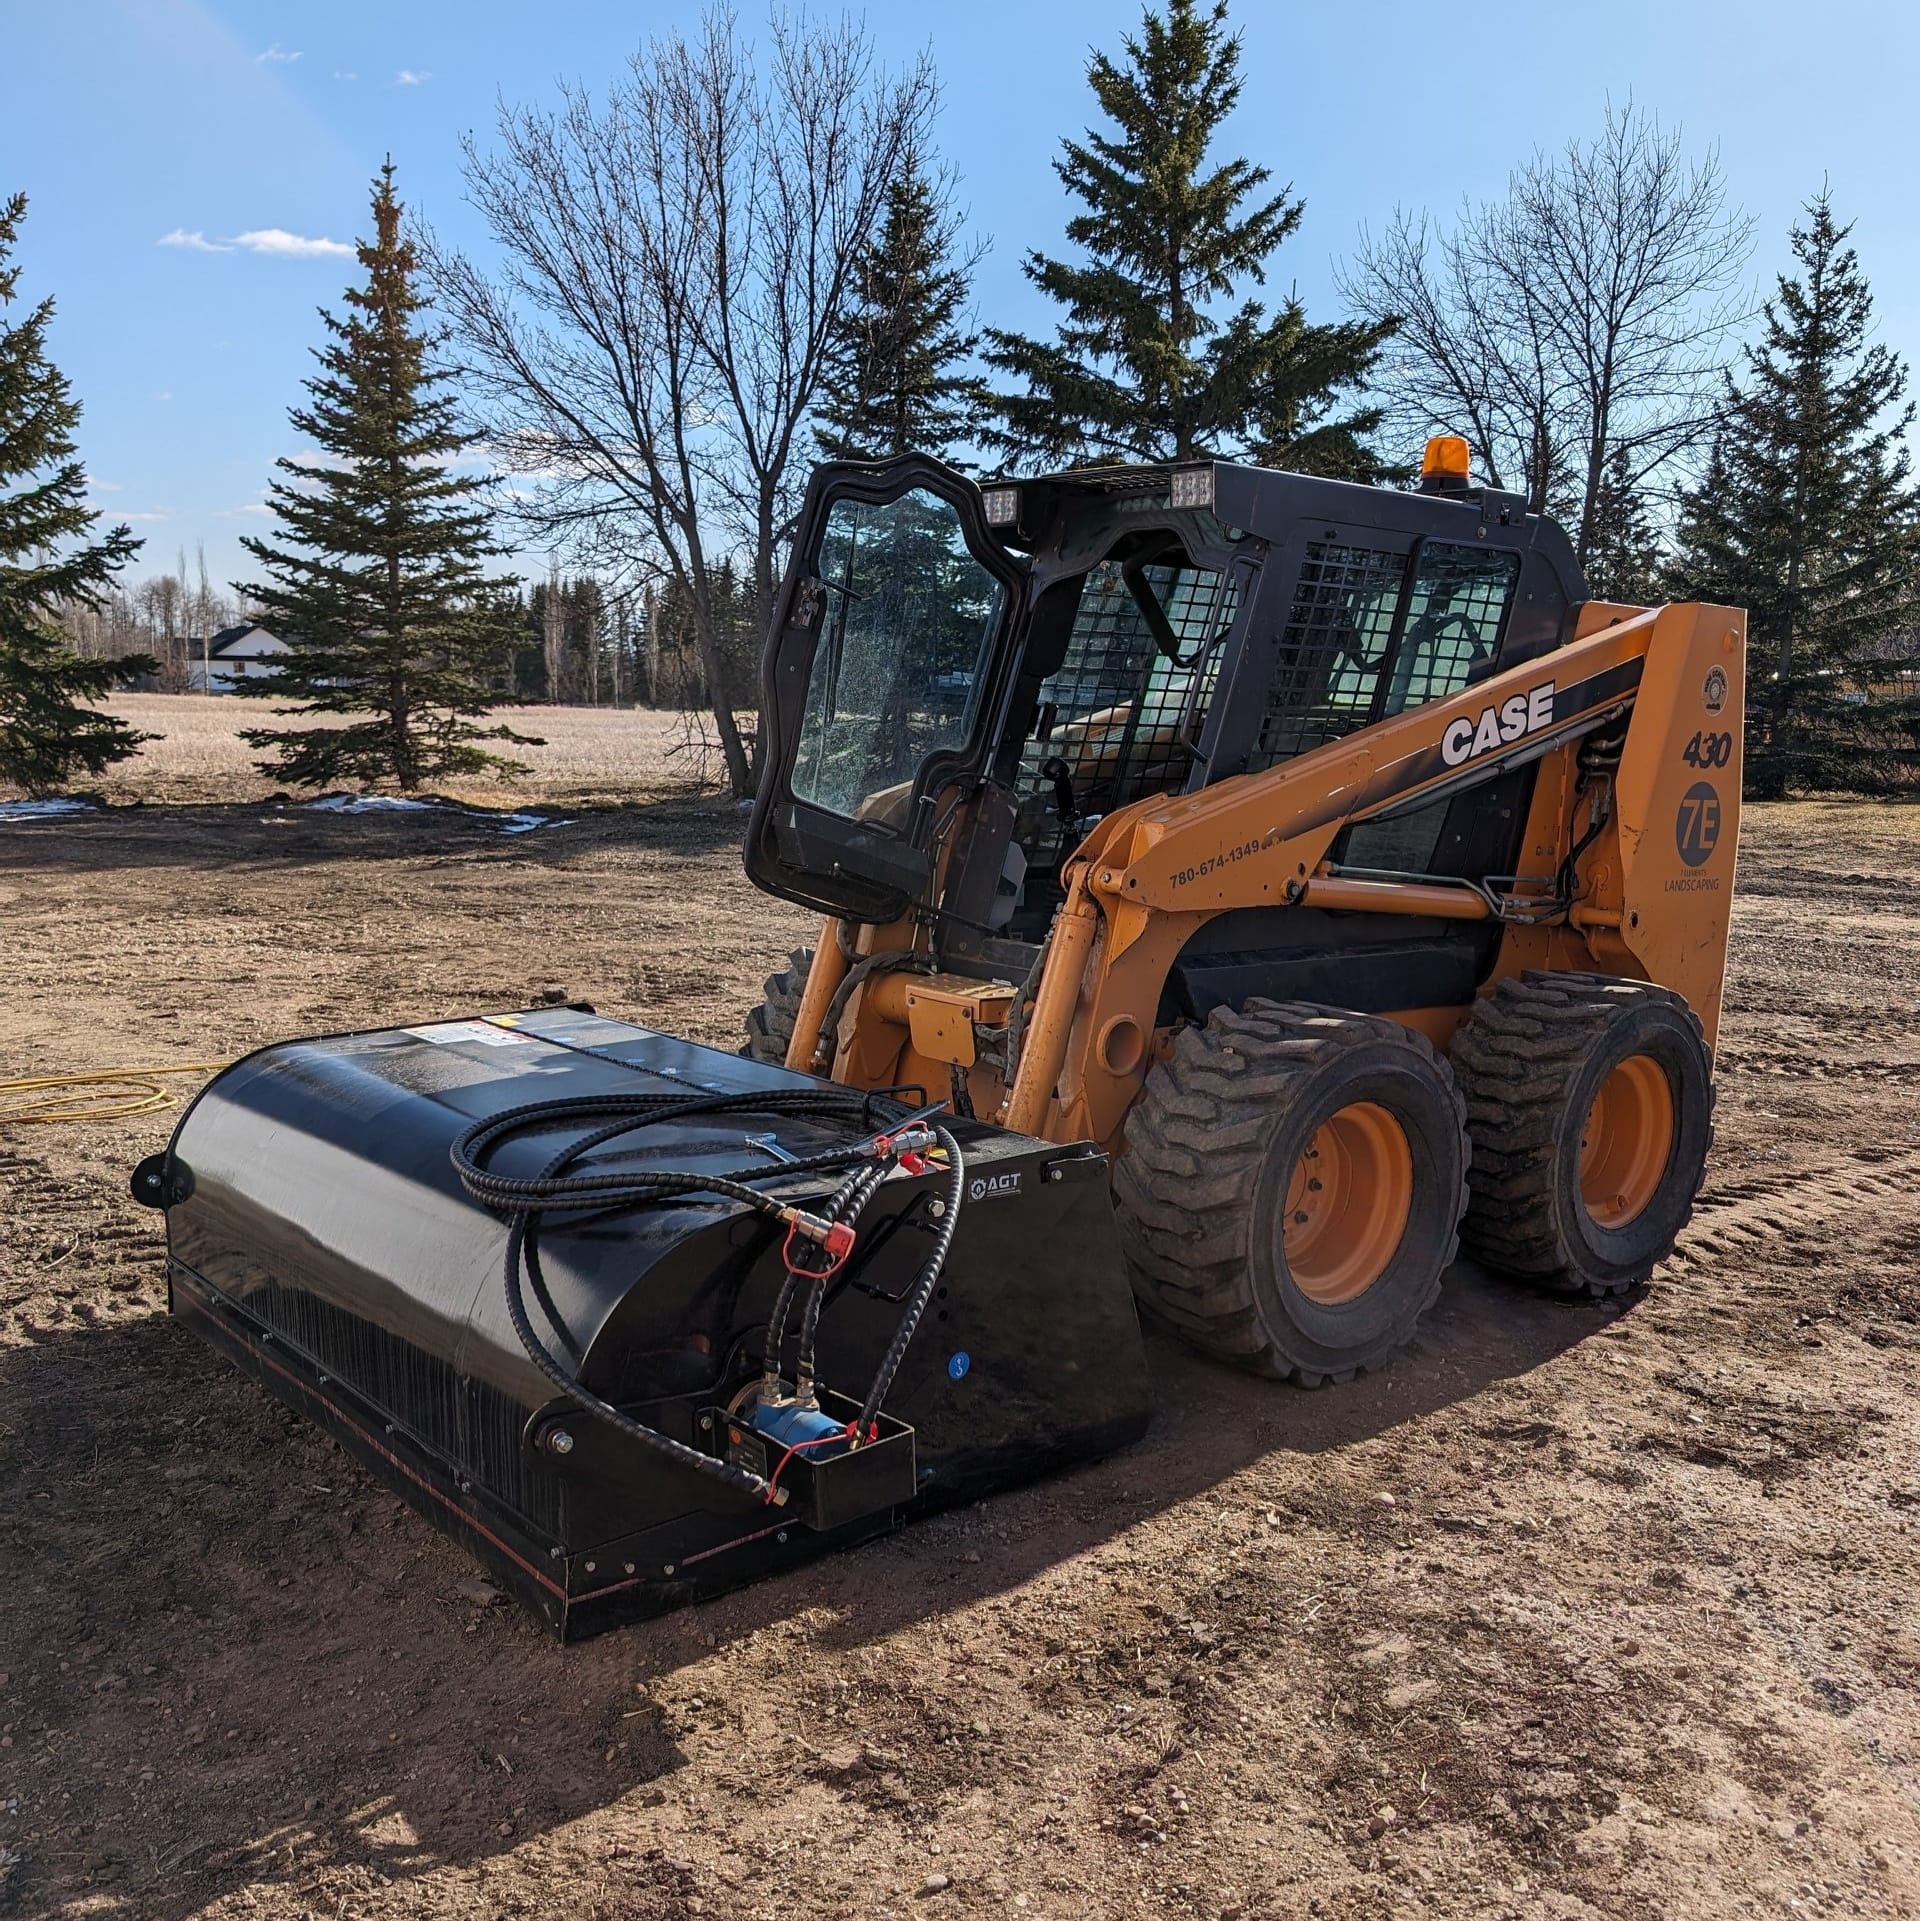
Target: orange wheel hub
column 1628, row 1142
column 1348, row 1201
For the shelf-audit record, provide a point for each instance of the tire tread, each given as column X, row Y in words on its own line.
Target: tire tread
column 1195, row 1142
column 1518, row 1056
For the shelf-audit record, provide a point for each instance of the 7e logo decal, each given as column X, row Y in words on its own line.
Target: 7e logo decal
column 1697, row 831
column 1709, row 750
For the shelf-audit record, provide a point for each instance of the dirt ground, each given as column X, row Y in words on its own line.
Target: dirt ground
column 1572, row 1612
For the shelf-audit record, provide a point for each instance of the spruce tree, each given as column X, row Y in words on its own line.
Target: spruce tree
column 1623, row 552
column 1806, row 516
column 894, row 382
column 1150, row 361
column 46, row 736
column 376, row 578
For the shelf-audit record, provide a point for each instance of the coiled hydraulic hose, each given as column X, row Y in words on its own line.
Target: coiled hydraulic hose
column 829, row 1228
column 846, row 1203
column 929, row 1279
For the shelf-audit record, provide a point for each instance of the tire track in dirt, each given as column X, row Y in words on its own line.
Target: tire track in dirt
column 1746, row 1214
column 35, row 1195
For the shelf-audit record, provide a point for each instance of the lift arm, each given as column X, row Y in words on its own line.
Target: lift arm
column 1655, row 888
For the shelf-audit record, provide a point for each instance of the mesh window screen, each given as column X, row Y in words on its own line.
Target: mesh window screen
column 1459, row 601
column 1328, row 667
column 1122, row 708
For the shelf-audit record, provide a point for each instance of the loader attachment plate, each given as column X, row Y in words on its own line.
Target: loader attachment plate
column 319, row 1236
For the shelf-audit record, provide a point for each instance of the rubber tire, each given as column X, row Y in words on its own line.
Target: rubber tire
column 1210, row 1144
column 1530, row 1057
column 770, row 1025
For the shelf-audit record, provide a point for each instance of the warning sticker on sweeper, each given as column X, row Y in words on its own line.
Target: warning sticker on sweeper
column 451, row 1033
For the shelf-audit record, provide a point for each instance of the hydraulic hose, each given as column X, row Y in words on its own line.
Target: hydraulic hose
column 819, row 1240
column 649, row 1437
column 927, row 1281
column 844, row 1204
column 847, row 1203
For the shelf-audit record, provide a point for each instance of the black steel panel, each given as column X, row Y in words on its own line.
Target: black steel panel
column 325, row 1241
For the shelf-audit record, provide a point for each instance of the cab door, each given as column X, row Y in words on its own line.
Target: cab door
column 882, row 683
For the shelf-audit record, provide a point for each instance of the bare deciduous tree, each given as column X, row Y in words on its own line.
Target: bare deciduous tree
column 673, row 258
column 168, row 616
column 1583, row 320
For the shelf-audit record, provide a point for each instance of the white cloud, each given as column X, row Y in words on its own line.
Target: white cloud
column 253, row 507
column 277, row 52
column 152, row 516
column 277, row 240
column 195, row 242
column 409, row 77
column 98, row 486
column 341, row 73
column 163, row 396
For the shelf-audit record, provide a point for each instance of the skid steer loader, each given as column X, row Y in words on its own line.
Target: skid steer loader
column 1241, row 890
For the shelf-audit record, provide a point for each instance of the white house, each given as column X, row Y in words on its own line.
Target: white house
column 234, row 653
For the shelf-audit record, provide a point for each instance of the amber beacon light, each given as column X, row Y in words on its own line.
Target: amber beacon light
column 1444, row 465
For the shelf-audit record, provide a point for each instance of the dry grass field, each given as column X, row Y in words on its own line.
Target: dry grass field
column 604, row 755
column 1573, row 1612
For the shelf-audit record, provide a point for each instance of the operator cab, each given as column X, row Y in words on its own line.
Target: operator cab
column 963, row 680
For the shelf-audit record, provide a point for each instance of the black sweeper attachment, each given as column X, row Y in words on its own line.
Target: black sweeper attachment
column 636, row 1320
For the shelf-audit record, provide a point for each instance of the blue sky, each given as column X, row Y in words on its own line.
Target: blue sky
column 257, row 127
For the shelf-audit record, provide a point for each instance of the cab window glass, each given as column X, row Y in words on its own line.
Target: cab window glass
column 898, row 671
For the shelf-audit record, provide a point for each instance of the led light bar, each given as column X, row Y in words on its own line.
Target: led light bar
column 1002, row 505
column 1190, row 487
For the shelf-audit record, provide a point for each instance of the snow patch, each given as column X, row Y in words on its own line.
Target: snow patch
column 368, row 804
column 43, row 809
column 400, row 804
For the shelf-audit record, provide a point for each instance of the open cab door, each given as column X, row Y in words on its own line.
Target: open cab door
column 886, row 663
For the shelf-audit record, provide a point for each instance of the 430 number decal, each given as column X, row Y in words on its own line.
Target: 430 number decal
column 1709, row 750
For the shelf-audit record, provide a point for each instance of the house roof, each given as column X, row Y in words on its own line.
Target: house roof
column 228, row 639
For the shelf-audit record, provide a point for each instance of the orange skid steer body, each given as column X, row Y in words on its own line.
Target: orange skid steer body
column 1319, row 1035
column 1657, row 886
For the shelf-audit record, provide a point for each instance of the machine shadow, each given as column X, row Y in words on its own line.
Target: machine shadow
column 236, row 1659
column 289, row 1670
column 229, row 1658
column 1211, row 1423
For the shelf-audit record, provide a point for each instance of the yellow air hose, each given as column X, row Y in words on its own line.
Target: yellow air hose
column 40, row 1100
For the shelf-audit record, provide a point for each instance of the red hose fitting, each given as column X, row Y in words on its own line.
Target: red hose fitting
column 836, row 1237
column 914, row 1138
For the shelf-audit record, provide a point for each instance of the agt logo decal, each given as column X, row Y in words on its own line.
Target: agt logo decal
column 990, row 1187
column 1497, row 727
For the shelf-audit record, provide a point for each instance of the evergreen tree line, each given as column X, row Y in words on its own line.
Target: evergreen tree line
column 1584, row 330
